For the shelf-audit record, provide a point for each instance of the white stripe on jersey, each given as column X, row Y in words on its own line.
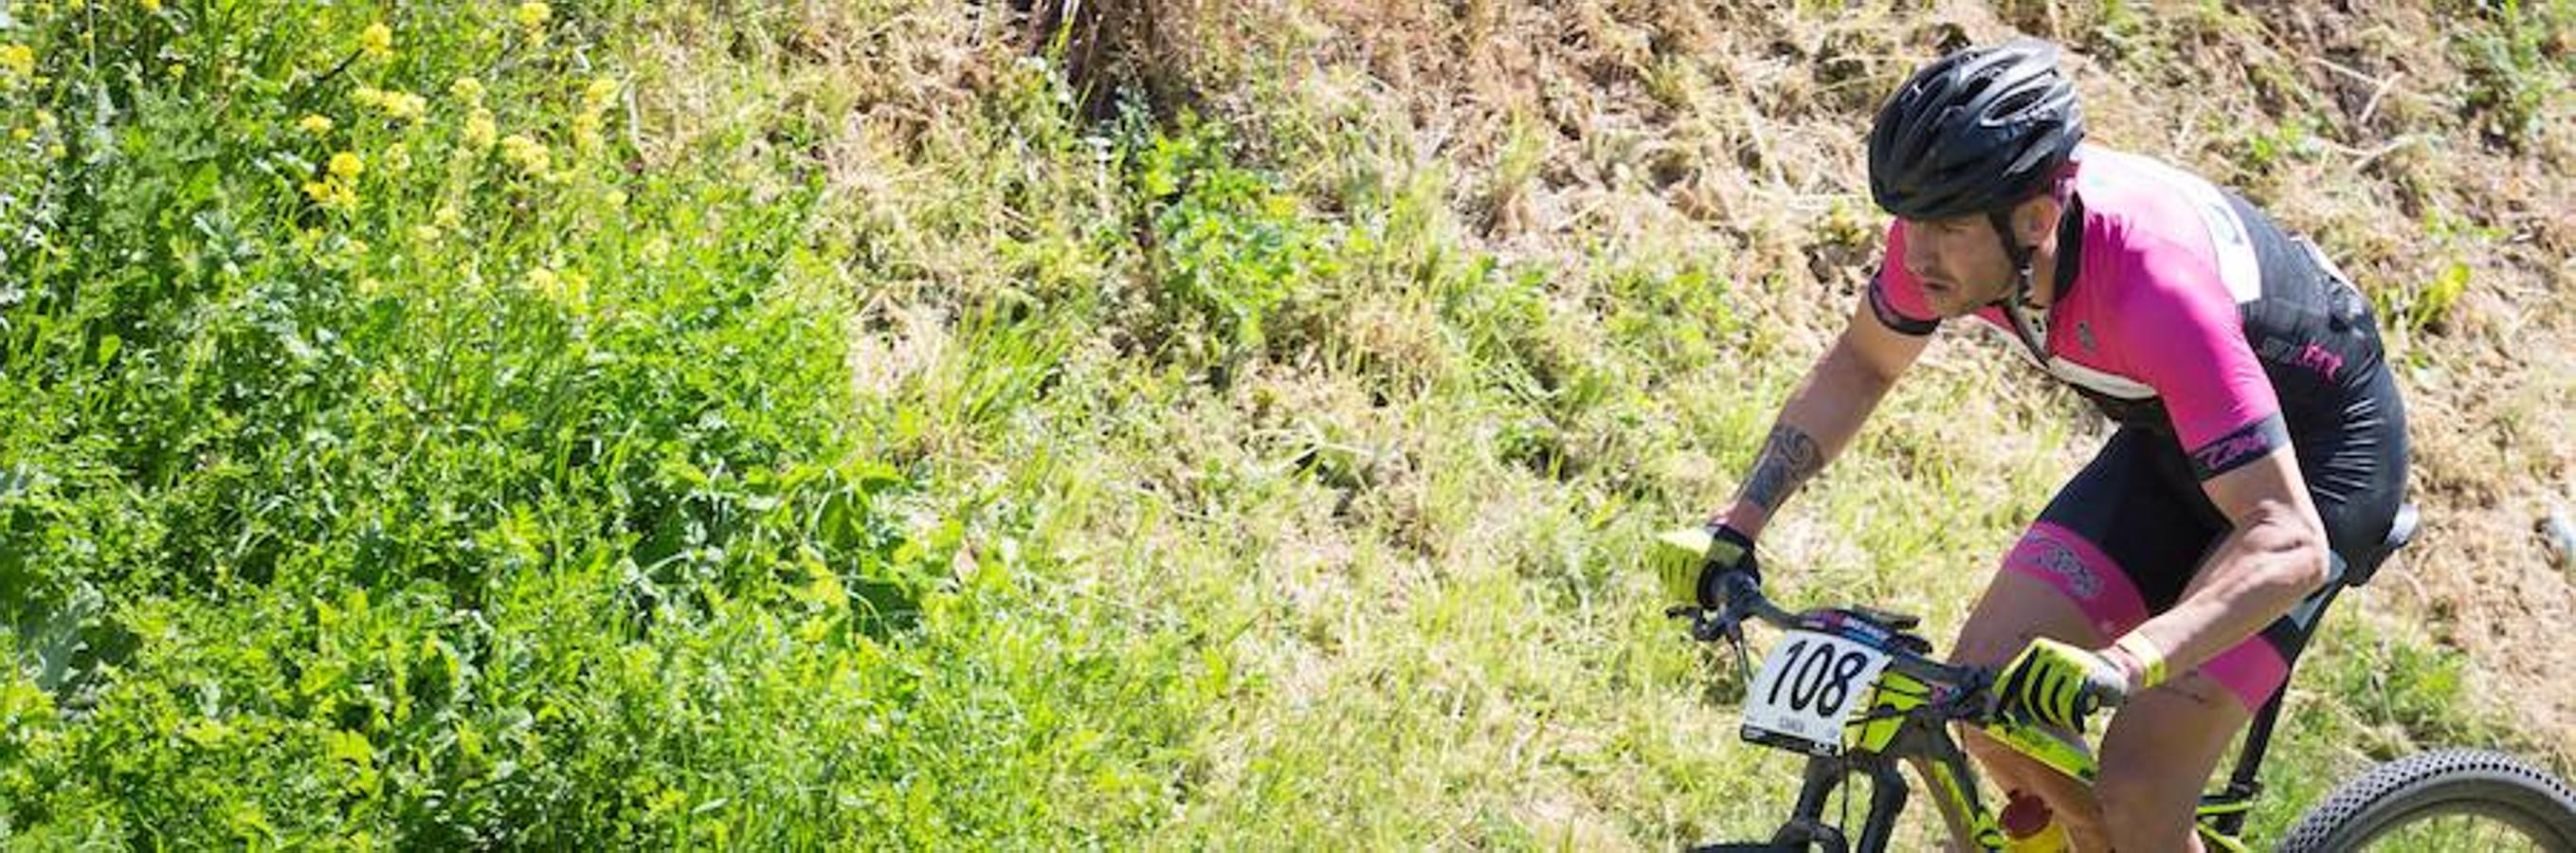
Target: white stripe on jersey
column 2096, row 380
column 2237, row 266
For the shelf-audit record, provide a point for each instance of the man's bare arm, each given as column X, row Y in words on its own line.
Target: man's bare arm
column 1821, row 418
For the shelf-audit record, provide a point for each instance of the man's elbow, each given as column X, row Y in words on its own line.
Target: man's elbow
column 2301, row 558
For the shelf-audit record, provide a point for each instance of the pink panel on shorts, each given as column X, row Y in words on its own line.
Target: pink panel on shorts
column 2081, row 572
column 2071, row 563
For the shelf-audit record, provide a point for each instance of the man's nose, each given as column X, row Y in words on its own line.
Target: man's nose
column 1917, row 259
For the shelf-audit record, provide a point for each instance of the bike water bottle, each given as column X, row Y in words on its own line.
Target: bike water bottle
column 2029, row 827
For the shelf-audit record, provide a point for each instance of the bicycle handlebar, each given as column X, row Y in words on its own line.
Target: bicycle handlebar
column 1968, row 688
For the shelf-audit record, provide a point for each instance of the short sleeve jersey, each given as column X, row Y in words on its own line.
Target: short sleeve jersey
column 2181, row 309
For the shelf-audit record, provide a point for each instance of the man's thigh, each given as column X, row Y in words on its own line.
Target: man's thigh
column 2018, row 607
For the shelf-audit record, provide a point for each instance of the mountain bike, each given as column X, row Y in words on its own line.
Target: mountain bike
column 1856, row 691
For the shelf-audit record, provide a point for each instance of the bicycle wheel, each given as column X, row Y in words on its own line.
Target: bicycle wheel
column 2453, row 799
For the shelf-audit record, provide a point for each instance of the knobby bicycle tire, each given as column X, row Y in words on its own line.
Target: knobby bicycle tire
column 2434, row 784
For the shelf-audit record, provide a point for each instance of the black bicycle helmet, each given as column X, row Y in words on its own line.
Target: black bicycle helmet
column 1976, row 131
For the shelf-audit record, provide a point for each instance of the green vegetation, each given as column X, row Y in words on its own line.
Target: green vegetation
column 816, row 425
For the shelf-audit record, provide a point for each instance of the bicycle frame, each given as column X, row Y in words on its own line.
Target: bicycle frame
column 1916, row 698
column 1951, row 781
column 1907, row 720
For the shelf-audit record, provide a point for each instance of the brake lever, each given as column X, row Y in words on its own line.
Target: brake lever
column 1726, row 625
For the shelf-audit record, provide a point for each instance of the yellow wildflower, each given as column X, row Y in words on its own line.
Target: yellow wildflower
column 480, row 131
column 585, row 132
column 56, row 151
column 569, row 289
column 45, row 119
column 467, row 89
column 17, row 59
column 533, row 15
column 399, row 106
column 332, row 193
column 600, row 92
column 447, row 216
column 346, row 166
column 397, row 158
column 527, row 154
column 151, row 5
column 314, row 124
column 377, row 42
column 21, row 134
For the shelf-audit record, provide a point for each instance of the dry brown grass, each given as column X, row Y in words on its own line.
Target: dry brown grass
column 1614, row 121
column 1556, row 133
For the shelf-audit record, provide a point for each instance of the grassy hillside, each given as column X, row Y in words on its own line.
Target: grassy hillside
column 910, row 423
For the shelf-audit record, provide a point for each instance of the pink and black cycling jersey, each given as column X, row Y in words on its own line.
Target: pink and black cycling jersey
column 2213, row 338
column 2182, row 310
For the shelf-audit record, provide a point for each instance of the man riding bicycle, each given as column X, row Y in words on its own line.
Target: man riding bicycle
column 2260, row 436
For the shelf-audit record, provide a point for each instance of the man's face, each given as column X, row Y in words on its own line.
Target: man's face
column 1960, row 262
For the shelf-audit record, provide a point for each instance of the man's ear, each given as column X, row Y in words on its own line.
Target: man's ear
column 2036, row 219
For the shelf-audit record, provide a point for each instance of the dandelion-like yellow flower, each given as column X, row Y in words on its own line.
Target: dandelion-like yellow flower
column 480, row 131
column 45, row 119
column 314, row 124
column 467, row 89
column 333, row 193
column 527, row 154
column 397, row 158
column 399, row 106
column 377, row 42
column 598, row 94
column 346, row 166
column 576, row 289
column 585, row 132
column 21, row 134
column 533, row 15
column 151, row 5
column 447, row 216
column 569, row 289
column 18, row 59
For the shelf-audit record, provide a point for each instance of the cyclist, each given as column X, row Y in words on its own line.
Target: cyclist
column 2259, row 436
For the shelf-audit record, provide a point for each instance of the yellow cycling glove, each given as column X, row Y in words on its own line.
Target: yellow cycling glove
column 1692, row 561
column 2059, row 684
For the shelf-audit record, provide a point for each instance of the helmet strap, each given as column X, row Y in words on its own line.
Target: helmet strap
column 2017, row 305
column 2019, row 254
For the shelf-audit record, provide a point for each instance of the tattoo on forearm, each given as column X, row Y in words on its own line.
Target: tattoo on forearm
column 1787, row 459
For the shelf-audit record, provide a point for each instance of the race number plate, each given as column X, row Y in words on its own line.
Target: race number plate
column 1807, row 687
